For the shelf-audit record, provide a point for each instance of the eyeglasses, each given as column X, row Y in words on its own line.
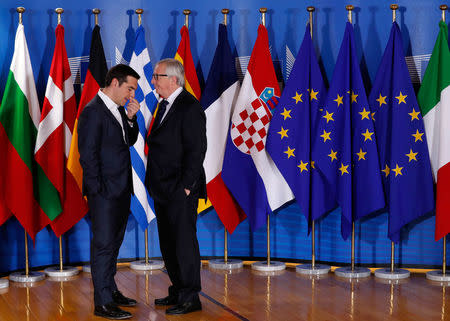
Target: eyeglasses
column 156, row 76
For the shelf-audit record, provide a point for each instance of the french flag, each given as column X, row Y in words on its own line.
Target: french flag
column 218, row 100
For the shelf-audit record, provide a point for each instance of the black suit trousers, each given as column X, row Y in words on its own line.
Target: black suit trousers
column 109, row 220
column 177, row 231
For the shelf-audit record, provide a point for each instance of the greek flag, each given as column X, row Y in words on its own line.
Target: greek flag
column 142, row 205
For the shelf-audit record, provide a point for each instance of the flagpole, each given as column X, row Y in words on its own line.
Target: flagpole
column 96, row 11
column 267, row 266
column 225, row 264
column 441, row 275
column 61, row 271
column 147, row 264
column 21, row 276
column 352, row 271
column 313, row 268
column 392, row 273
column 186, row 13
column 444, row 8
column 26, row 276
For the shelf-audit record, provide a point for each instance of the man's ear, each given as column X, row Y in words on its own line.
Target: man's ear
column 114, row 82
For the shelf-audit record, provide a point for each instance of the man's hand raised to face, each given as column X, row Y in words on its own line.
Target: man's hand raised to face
column 132, row 108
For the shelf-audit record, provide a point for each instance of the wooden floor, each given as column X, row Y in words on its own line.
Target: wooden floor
column 241, row 295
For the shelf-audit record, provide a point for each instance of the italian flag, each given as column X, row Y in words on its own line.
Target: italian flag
column 434, row 101
column 25, row 189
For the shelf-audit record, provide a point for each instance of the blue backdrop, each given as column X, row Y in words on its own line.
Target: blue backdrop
column 418, row 21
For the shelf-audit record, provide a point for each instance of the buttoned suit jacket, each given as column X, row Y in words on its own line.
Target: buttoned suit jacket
column 176, row 150
column 104, row 155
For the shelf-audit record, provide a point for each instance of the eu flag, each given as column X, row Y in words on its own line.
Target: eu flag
column 292, row 128
column 402, row 146
column 345, row 146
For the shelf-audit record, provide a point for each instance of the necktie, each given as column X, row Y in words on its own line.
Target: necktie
column 161, row 111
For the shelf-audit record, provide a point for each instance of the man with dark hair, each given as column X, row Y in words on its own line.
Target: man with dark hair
column 105, row 132
column 176, row 179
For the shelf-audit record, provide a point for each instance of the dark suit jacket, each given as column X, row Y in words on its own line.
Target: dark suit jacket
column 176, row 150
column 104, row 155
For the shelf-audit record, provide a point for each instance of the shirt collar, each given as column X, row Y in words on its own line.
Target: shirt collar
column 108, row 101
column 174, row 95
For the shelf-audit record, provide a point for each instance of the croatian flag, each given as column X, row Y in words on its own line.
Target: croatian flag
column 249, row 171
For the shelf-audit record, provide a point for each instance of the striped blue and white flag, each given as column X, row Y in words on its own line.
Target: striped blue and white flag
column 142, row 205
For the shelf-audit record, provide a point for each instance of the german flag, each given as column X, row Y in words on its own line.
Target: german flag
column 95, row 79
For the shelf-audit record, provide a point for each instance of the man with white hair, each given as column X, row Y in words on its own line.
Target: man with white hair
column 176, row 179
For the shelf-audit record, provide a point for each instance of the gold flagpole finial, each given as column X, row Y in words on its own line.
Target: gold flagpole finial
column 186, row 12
column 139, row 12
column 20, row 10
column 444, row 8
column 310, row 9
column 263, row 15
column 349, row 8
column 59, row 11
column 394, row 8
column 96, row 12
column 225, row 12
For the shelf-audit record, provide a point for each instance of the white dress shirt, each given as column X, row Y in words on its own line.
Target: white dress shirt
column 114, row 109
column 170, row 101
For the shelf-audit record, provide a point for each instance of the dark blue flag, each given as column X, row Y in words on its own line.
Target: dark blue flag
column 293, row 126
column 346, row 147
column 402, row 146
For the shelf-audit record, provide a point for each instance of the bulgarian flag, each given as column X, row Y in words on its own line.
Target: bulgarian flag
column 434, row 101
column 95, row 79
column 192, row 85
column 55, row 135
column 25, row 190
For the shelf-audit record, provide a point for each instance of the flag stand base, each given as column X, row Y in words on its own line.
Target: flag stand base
column 273, row 266
column 55, row 271
column 220, row 264
column 150, row 265
column 357, row 273
column 396, row 274
column 308, row 269
column 4, row 283
column 87, row 268
column 21, row 277
column 438, row 276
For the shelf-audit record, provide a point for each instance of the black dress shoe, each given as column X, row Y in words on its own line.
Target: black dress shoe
column 122, row 300
column 184, row 308
column 168, row 300
column 111, row 311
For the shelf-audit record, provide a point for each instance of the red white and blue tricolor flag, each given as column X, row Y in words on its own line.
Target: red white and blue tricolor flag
column 249, row 171
column 218, row 100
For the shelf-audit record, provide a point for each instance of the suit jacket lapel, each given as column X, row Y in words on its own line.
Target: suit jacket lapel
column 112, row 118
column 170, row 112
column 172, row 108
column 108, row 112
